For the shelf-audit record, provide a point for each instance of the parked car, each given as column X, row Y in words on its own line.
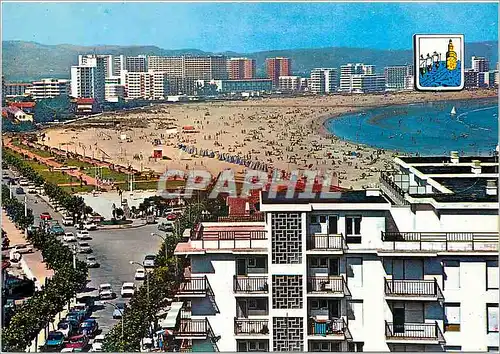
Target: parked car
column 65, row 328
column 67, row 350
column 105, row 291
column 83, row 235
column 119, row 310
column 166, row 227
column 45, row 216
column 90, row 225
column 24, row 182
column 78, row 343
column 82, row 309
column 171, row 216
column 69, row 237
column 97, row 344
column 23, row 248
column 57, row 229
column 54, row 341
column 89, row 327
column 128, row 289
column 149, row 261
column 77, row 315
column 91, row 262
column 84, row 247
column 20, row 190
column 140, row 274
column 67, row 221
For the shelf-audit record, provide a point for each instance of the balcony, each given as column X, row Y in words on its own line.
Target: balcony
column 409, row 289
column 193, row 328
column 247, row 327
column 334, row 329
column 423, row 333
column 328, row 285
column 194, row 287
column 440, row 241
column 250, row 285
column 328, row 243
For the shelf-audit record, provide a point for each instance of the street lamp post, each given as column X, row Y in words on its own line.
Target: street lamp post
column 123, row 315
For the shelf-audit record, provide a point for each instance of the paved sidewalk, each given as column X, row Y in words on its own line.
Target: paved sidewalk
column 34, row 264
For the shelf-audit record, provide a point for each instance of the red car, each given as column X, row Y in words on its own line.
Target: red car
column 78, row 343
column 45, row 216
column 171, row 216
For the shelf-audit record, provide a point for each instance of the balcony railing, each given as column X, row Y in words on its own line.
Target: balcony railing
column 326, row 242
column 242, row 218
column 193, row 286
column 327, row 284
column 394, row 191
column 333, row 327
column 192, row 327
column 250, row 327
column 441, row 241
column 243, row 284
column 413, row 288
column 413, row 331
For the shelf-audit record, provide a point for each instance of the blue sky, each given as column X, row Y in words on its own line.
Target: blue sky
column 246, row 27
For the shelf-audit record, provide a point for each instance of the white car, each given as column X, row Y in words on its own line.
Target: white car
column 84, row 247
column 24, row 182
column 140, row 274
column 23, row 248
column 69, row 237
column 105, row 291
column 89, row 225
column 31, row 189
column 149, row 261
column 67, row 350
column 67, row 221
column 128, row 289
column 83, row 235
column 97, row 344
column 91, row 262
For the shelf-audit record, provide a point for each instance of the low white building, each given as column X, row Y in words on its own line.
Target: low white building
column 50, row 88
column 289, row 83
column 410, row 267
column 151, row 85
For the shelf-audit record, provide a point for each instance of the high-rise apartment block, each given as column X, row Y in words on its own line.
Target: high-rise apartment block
column 88, row 77
column 212, row 67
column 289, row 83
column 395, row 76
column 276, row 67
column 323, row 80
column 136, row 64
column 480, row 64
column 360, row 78
column 241, row 68
column 172, row 66
column 412, row 266
column 50, row 88
column 13, row 89
column 149, row 85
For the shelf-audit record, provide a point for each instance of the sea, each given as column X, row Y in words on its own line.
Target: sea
column 424, row 128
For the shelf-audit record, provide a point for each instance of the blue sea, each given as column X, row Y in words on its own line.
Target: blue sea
column 424, row 128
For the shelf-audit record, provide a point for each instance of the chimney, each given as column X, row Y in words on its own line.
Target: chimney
column 491, row 187
column 476, row 167
column 454, row 157
column 372, row 192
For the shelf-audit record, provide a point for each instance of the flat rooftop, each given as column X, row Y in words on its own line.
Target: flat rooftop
column 447, row 159
column 453, row 169
column 340, row 197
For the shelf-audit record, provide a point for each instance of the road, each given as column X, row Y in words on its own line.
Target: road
column 113, row 249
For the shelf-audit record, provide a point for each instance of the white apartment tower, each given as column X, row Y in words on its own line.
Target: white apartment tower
column 50, row 88
column 146, row 85
column 480, row 64
column 289, row 83
column 395, row 76
column 410, row 267
column 88, row 77
column 346, row 71
column 323, row 80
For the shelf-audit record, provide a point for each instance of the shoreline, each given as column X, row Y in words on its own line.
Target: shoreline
column 278, row 133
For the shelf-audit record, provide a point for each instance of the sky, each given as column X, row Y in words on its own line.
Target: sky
column 245, row 27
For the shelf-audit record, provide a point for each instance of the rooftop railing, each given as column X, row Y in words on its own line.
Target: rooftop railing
column 413, row 331
column 227, row 239
column 394, row 191
column 413, row 288
column 441, row 241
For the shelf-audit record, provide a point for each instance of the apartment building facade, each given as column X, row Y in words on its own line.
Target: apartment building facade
column 241, row 68
column 350, row 69
column 395, row 76
column 50, row 88
column 13, row 89
column 276, row 67
column 289, row 83
column 146, row 85
column 324, row 80
column 410, row 267
column 88, row 78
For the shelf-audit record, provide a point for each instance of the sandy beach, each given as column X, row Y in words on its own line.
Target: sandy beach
column 280, row 133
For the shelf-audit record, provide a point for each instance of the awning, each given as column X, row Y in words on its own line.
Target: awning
column 171, row 320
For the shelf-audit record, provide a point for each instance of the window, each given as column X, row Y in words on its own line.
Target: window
column 319, row 304
column 319, row 262
column 252, row 304
column 452, row 317
column 322, row 219
column 353, row 229
column 355, row 346
column 258, row 262
column 492, row 318
column 453, row 348
column 492, row 275
column 314, row 219
column 451, row 276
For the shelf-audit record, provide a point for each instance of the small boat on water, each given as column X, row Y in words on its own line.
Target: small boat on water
column 453, row 111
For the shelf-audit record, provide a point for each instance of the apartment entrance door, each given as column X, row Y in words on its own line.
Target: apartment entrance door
column 332, row 225
column 334, row 309
column 333, row 266
column 241, row 267
column 398, row 318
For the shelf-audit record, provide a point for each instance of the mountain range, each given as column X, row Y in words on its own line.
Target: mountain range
column 27, row 61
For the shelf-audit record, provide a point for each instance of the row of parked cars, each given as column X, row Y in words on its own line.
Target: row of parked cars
column 75, row 332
